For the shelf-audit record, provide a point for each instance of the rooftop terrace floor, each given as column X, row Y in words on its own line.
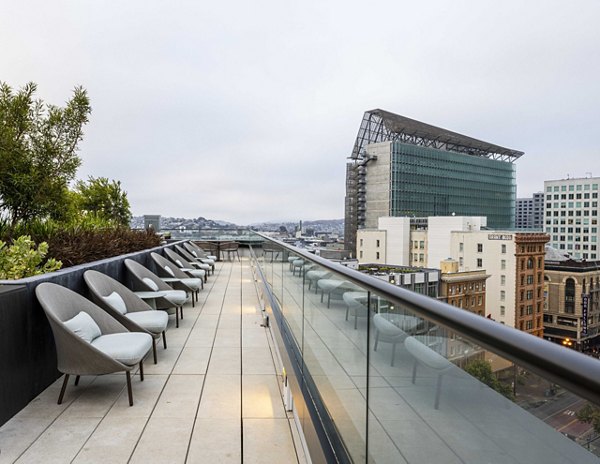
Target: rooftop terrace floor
column 214, row 396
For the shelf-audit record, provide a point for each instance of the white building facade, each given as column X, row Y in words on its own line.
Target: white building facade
column 571, row 216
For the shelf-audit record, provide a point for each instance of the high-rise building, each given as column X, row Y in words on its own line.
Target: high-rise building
column 403, row 167
column 571, row 216
column 529, row 212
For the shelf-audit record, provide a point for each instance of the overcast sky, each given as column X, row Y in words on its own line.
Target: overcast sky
column 247, row 110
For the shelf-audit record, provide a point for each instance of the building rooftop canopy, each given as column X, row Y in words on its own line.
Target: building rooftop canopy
column 381, row 126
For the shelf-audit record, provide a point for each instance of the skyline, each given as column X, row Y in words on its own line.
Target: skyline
column 247, row 113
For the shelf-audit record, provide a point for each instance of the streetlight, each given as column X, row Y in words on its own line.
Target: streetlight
column 567, row 342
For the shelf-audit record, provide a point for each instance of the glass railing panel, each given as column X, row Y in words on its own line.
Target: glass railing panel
column 335, row 352
column 434, row 396
column 398, row 387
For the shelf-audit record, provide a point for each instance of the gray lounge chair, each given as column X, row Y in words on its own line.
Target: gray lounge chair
column 193, row 260
column 127, row 308
column 185, row 265
column 202, row 250
column 167, row 297
column 88, row 340
column 172, row 275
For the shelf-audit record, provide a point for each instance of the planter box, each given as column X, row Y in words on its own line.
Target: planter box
column 27, row 351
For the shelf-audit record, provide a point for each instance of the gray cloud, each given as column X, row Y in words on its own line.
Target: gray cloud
column 246, row 111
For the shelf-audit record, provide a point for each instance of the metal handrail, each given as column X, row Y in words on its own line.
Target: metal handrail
column 575, row 371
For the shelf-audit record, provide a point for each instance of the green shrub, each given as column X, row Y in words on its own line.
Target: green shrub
column 24, row 259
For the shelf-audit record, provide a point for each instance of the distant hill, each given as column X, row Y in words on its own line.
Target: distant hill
column 137, row 222
column 321, row 225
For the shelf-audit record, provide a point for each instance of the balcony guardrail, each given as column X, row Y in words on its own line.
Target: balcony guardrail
column 380, row 364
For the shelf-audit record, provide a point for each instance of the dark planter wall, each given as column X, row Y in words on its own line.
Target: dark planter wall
column 27, row 351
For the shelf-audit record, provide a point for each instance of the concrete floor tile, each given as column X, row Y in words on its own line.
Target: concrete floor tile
column 216, row 441
column 257, row 361
column 61, row 441
column 193, row 360
column 114, row 438
column 18, row 434
column 145, row 396
column 164, row 440
column 221, row 397
column 261, row 397
column 268, row 441
column 201, row 338
column 225, row 360
column 230, row 321
column 228, row 337
column 180, row 397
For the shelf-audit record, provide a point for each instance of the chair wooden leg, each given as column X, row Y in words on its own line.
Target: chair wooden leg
column 164, row 339
column 176, row 317
column 129, row 392
column 181, row 312
column 62, row 390
column 77, row 380
column 154, row 350
column 141, row 371
column 193, row 302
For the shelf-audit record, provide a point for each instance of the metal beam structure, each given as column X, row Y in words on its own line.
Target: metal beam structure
column 382, row 126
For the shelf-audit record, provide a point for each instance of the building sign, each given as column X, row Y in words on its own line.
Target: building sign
column 500, row 236
column 584, row 314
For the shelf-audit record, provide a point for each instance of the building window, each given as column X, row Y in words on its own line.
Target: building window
column 503, row 248
column 530, row 263
column 479, row 300
column 529, row 279
column 377, row 255
column 422, row 245
column 503, row 264
column 460, row 261
column 528, row 325
column 361, row 254
column 461, row 247
column 502, row 295
column 570, row 296
column 502, row 280
column 377, row 244
column 479, row 262
column 480, row 248
column 361, row 242
column 502, row 310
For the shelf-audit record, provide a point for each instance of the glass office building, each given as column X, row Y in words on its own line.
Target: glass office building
column 403, row 167
column 430, row 182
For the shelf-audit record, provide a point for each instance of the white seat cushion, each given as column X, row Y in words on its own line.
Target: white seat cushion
column 150, row 283
column 199, row 273
column 116, row 302
column 84, row 327
column 209, row 261
column 204, row 266
column 152, row 321
column 213, row 257
column 193, row 283
column 128, row 348
column 177, row 297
